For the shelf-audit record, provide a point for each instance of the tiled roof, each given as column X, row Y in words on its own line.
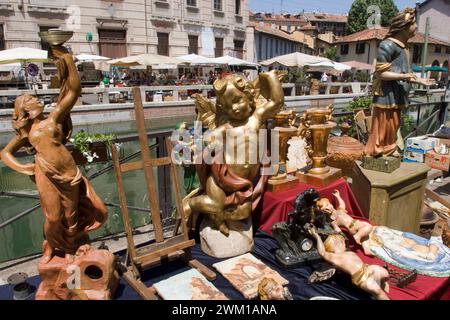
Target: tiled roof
column 292, row 18
column 310, row 16
column 380, row 34
column 273, row 31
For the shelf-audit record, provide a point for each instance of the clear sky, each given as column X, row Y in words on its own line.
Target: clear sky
column 330, row 6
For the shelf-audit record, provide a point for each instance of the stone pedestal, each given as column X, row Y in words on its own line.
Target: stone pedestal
column 216, row 244
column 392, row 199
column 320, row 180
column 89, row 275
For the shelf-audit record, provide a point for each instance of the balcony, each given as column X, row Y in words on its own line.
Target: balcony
column 47, row 9
column 192, row 9
column 219, row 13
column 162, row 19
column 220, row 26
column 6, row 5
column 193, row 22
column 162, row 3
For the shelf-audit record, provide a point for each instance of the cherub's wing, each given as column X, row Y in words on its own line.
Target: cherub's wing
column 206, row 111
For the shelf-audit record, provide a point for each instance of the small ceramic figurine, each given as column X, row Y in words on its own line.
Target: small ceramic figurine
column 360, row 230
column 269, row 289
column 370, row 278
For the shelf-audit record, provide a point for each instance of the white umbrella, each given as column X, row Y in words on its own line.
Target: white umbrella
column 331, row 65
column 295, row 59
column 232, row 61
column 16, row 67
column 146, row 59
column 85, row 57
column 23, row 54
column 195, row 59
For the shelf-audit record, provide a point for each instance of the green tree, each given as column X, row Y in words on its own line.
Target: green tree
column 358, row 15
column 331, row 53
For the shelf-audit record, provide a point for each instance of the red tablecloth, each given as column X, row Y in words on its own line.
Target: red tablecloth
column 276, row 206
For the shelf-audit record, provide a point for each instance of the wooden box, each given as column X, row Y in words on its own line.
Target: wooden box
column 392, row 199
column 437, row 161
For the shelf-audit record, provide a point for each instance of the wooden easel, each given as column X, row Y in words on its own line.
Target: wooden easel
column 178, row 246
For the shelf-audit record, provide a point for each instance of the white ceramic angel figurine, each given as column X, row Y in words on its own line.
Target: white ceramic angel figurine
column 360, row 230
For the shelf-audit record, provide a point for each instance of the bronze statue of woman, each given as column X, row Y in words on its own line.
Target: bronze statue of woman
column 69, row 203
column 393, row 76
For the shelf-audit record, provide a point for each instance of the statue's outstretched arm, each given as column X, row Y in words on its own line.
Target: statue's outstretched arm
column 272, row 90
column 7, row 155
column 71, row 86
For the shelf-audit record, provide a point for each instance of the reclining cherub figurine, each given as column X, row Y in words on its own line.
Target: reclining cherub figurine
column 370, row 278
column 360, row 230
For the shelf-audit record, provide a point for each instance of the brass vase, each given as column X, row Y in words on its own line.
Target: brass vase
column 285, row 132
column 318, row 122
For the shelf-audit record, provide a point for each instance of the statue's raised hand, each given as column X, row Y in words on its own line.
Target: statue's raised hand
column 58, row 52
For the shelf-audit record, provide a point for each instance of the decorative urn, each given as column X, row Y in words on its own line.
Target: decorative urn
column 344, row 150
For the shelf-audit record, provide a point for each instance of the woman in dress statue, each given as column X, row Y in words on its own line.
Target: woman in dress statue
column 392, row 84
column 69, row 203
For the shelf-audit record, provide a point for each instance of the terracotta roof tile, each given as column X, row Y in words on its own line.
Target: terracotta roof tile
column 272, row 31
column 380, row 34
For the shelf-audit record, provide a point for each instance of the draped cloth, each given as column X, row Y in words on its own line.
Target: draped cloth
column 238, row 190
column 70, row 206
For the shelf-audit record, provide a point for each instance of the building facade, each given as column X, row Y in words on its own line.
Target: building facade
column 363, row 47
column 271, row 42
column 117, row 28
column 439, row 13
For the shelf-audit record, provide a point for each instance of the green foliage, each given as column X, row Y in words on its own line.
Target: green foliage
column 358, row 16
column 82, row 140
column 299, row 77
column 362, row 77
column 407, row 125
column 331, row 53
column 359, row 103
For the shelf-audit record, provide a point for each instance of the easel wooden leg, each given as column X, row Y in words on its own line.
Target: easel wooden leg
column 140, row 287
column 193, row 263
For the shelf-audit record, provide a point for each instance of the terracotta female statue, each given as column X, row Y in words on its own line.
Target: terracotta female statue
column 69, row 203
column 393, row 75
column 370, row 278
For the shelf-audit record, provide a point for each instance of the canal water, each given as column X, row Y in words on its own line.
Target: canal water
column 24, row 236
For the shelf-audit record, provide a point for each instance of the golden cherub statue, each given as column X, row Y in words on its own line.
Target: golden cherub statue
column 227, row 191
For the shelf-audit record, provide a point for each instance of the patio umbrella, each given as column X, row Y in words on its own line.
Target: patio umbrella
column 23, row 54
column 339, row 67
column 146, row 59
column 197, row 60
column 10, row 67
column 232, row 61
column 86, row 57
column 358, row 65
column 295, row 59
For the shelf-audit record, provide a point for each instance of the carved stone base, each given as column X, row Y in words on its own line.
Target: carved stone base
column 216, row 244
column 289, row 182
column 320, row 180
column 381, row 164
column 91, row 275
